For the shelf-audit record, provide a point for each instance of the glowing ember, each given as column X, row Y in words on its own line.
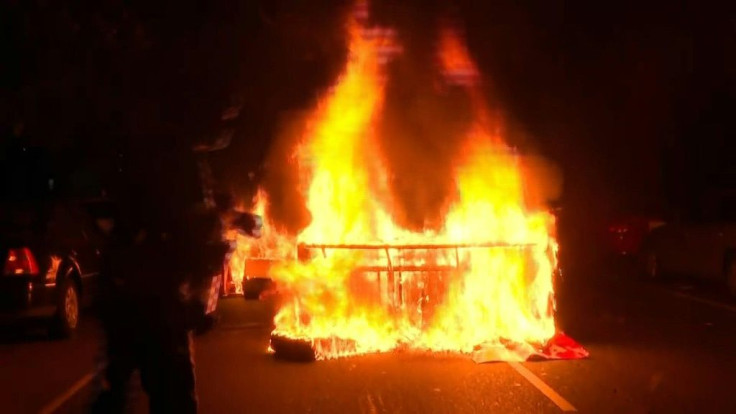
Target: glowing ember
column 365, row 284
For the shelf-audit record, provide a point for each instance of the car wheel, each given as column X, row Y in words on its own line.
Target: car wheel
column 652, row 268
column 731, row 276
column 67, row 314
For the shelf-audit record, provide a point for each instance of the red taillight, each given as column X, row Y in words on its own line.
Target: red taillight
column 20, row 262
column 622, row 228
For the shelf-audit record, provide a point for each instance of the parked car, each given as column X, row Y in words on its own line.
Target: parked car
column 49, row 244
column 703, row 248
column 627, row 234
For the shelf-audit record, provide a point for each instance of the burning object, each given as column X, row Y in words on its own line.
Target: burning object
column 356, row 281
column 255, row 279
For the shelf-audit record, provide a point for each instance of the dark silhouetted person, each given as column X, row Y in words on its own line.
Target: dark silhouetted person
column 162, row 252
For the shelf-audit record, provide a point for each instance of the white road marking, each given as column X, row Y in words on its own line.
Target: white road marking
column 57, row 402
column 706, row 301
column 543, row 387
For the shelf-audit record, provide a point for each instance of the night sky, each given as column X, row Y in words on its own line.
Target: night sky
column 634, row 100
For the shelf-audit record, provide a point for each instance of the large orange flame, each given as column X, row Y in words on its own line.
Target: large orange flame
column 370, row 285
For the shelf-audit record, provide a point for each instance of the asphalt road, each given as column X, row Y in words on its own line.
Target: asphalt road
column 655, row 348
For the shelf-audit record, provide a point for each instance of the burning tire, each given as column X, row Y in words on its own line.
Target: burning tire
column 290, row 349
column 305, row 350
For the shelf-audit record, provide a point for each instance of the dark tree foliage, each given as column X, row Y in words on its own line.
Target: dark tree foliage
column 633, row 99
column 93, row 71
column 95, row 79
